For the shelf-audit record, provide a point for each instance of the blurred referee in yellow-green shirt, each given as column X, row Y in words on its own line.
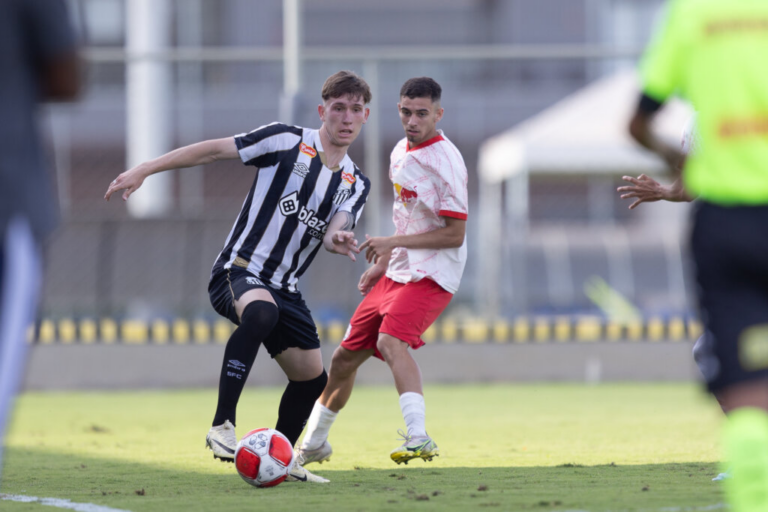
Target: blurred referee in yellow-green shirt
column 715, row 54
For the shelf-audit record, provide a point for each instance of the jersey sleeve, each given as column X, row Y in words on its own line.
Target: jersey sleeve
column 453, row 188
column 662, row 65
column 358, row 196
column 267, row 145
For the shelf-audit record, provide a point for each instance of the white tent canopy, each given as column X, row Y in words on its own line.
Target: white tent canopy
column 585, row 133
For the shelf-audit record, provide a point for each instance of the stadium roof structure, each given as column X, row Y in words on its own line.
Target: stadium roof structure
column 584, row 133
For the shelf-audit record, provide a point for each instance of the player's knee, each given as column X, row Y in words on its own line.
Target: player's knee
column 259, row 317
column 389, row 346
column 342, row 364
column 313, row 388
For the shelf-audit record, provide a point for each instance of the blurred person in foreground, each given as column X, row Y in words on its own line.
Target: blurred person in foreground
column 645, row 189
column 307, row 193
column 38, row 62
column 415, row 274
column 713, row 53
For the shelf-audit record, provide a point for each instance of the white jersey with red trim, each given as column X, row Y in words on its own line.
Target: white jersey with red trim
column 430, row 183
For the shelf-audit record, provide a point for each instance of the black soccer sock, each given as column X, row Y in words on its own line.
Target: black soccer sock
column 296, row 405
column 257, row 321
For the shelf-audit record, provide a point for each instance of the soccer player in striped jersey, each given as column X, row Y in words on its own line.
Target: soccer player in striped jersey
column 307, row 193
column 414, row 276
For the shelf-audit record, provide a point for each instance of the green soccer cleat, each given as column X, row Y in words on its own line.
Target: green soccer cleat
column 414, row 448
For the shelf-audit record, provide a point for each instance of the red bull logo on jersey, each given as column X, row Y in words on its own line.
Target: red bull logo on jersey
column 405, row 194
column 310, row 152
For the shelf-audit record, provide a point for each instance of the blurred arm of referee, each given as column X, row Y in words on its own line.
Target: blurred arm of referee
column 640, row 129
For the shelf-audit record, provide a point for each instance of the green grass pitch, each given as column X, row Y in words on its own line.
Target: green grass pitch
column 564, row 447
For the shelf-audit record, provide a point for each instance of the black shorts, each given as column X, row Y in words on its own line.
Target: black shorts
column 295, row 327
column 730, row 249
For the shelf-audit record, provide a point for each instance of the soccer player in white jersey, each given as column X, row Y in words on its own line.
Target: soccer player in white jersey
column 415, row 274
column 306, row 193
column 645, row 189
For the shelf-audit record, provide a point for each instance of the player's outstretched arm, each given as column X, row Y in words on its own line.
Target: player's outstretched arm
column 647, row 190
column 339, row 239
column 452, row 235
column 189, row 156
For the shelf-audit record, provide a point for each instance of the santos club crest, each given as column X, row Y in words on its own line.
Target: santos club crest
column 341, row 195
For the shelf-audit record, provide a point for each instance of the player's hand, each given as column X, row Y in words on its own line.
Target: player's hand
column 344, row 242
column 376, row 247
column 129, row 181
column 370, row 277
column 645, row 190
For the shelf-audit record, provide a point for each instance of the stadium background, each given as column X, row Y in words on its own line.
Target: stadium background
column 577, row 287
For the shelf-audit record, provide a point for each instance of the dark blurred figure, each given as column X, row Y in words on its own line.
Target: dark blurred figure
column 38, row 62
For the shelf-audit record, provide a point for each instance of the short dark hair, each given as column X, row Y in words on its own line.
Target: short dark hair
column 346, row 82
column 421, row 87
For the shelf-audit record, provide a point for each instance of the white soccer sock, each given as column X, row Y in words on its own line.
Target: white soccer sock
column 412, row 405
column 318, row 426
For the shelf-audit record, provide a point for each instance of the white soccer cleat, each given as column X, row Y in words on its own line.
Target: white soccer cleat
column 299, row 473
column 319, row 455
column 222, row 441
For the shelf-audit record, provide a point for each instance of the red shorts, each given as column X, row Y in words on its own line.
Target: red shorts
column 404, row 311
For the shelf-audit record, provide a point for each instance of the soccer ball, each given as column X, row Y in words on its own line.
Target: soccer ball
column 264, row 457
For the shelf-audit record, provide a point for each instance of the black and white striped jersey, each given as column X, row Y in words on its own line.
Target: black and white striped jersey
column 293, row 198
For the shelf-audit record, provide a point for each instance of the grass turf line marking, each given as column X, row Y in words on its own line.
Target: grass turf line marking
column 60, row 503
column 705, row 508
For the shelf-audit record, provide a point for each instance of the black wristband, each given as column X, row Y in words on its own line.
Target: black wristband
column 648, row 105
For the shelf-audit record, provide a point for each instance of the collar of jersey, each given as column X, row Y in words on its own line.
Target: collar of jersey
column 321, row 154
column 436, row 138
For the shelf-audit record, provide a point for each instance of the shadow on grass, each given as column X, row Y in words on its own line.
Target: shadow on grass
column 139, row 487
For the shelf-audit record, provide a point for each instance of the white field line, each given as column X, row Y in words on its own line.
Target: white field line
column 60, row 503
column 703, row 508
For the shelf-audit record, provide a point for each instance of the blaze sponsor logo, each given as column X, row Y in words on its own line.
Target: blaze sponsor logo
column 289, row 205
column 310, row 152
column 348, row 178
column 405, row 194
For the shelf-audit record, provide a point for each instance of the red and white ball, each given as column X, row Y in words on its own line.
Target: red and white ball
column 264, row 457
